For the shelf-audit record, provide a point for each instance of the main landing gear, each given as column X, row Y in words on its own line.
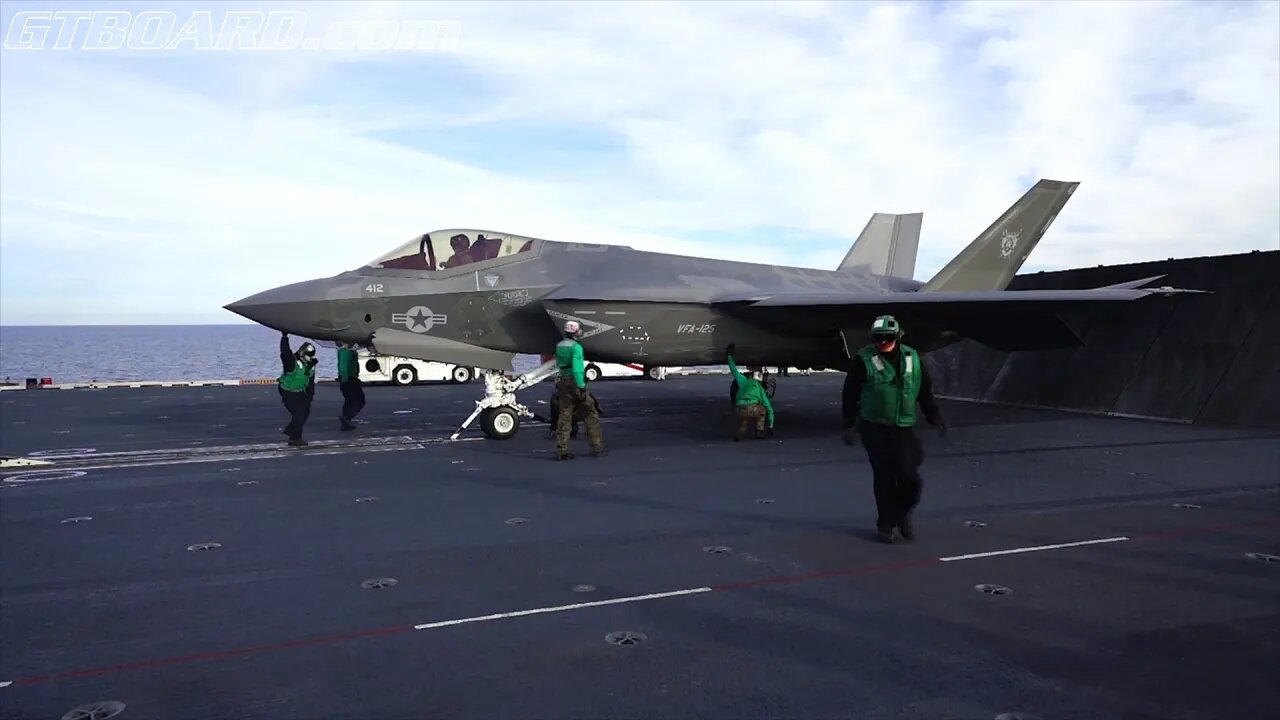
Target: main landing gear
column 498, row 410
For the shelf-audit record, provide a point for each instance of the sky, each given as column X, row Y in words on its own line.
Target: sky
column 156, row 186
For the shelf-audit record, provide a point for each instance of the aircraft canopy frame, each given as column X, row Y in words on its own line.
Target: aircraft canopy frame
column 444, row 250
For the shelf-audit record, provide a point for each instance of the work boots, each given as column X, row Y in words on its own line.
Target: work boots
column 907, row 529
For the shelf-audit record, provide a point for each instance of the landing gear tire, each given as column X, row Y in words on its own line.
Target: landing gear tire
column 592, row 373
column 500, row 423
column 655, row 373
column 404, row 375
column 461, row 375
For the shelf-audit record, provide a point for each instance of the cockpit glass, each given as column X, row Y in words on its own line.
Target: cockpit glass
column 452, row 248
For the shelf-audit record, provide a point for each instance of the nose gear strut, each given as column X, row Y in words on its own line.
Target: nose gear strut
column 499, row 410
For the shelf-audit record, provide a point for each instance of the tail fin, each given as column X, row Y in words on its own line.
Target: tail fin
column 994, row 257
column 887, row 246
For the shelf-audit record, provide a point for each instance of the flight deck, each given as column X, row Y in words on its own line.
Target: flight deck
column 175, row 560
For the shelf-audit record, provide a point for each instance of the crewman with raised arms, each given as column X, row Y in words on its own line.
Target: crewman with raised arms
column 297, row 384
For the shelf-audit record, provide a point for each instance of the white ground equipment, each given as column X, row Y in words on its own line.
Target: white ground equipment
column 409, row 371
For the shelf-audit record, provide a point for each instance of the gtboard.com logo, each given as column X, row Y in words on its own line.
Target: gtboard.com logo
column 232, row 30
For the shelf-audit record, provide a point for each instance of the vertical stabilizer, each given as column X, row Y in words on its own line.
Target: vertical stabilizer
column 887, row 246
column 991, row 260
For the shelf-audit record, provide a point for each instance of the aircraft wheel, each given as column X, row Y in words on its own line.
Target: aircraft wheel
column 500, row 423
column 404, row 375
column 654, row 373
column 592, row 373
column 462, row 375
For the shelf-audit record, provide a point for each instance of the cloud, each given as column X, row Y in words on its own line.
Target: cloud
column 157, row 187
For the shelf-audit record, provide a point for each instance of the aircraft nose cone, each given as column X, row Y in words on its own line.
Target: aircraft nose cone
column 297, row 309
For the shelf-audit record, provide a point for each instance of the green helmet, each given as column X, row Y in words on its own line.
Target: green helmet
column 886, row 325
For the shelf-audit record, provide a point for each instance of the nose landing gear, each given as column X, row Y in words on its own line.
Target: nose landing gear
column 499, row 410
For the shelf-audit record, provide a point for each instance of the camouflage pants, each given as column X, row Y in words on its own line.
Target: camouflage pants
column 748, row 413
column 575, row 401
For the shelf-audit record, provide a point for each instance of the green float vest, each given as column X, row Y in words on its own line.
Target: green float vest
column 888, row 399
column 297, row 379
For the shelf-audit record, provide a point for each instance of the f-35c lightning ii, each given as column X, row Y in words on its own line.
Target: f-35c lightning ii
column 480, row 298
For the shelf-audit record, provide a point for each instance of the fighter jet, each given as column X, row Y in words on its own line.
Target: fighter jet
column 480, row 298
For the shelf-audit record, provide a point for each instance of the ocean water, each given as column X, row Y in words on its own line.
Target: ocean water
column 106, row 353
column 119, row 353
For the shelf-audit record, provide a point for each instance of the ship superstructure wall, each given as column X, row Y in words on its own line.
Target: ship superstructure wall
column 1208, row 359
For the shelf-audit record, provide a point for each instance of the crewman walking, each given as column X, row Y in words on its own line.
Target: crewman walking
column 571, row 389
column 885, row 382
column 350, row 384
column 751, row 400
column 297, row 386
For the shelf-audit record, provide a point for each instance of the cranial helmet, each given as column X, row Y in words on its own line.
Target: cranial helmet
column 306, row 352
column 885, row 332
column 757, row 374
column 886, row 326
column 572, row 327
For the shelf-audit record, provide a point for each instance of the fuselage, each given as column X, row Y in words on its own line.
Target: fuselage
column 634, row 306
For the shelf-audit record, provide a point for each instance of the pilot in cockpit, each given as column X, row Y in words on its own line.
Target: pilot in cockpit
column 461, row 251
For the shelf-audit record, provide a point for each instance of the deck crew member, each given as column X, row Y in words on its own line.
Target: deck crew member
column 751, row 400
column 885, row 382
column 297, row 386
column 571, row 392
column 350, row 384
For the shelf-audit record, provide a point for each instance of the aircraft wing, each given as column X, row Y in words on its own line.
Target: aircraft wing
column 960, row 300
column 1003, row 319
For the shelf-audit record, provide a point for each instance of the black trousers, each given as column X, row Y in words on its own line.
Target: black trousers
column 896, row 455
column 352, row 397
column 299, row 406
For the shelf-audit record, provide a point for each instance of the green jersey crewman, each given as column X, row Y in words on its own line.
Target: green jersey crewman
column 571, row 394
column 885, row 383
column 297, row 384
column 350, row 384
column 751, row 400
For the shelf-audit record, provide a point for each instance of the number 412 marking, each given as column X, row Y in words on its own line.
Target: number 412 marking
column 373, row 287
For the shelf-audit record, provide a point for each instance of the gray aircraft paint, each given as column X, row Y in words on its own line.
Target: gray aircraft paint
column 887, row 246
column 664, row 309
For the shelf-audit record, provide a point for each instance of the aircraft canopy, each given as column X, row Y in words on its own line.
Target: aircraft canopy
column 447, row 249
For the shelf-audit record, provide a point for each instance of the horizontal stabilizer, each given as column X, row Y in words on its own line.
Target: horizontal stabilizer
column 401, row 343
column 1137, row 283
